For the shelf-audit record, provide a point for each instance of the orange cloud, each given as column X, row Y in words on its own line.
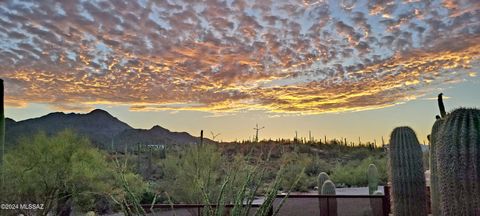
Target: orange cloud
column 282, row 57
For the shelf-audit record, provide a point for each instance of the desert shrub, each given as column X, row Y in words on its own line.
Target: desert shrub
column 201, row 174
column 193, row 172
column 294, row 165
column 302, row 148
column 316, row 166
column 63, row 171
column 353, row 173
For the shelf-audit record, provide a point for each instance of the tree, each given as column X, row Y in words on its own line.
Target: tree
column 294, row 165
column 63, row 171
column 197, row 170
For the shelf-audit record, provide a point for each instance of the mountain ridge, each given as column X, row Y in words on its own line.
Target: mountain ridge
column 99, row 126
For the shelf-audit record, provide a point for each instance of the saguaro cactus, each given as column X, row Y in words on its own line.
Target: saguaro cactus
column 458, row 162
column 372, row 176
column 328, row 205
column 322, row 177
column 434, row 190
column 435, row 133
column 2, row 133
column 328, row 188
column 406, row 173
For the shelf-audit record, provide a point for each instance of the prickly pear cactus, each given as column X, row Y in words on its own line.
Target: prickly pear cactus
column 406, row 173
column 372, row 176
column 322, row 177
column 458, row 163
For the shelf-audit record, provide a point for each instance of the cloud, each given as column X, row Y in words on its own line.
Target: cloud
column 295, row 57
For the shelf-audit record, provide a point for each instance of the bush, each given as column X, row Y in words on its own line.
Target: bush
column 353, row 173
column 200, row 174
column 294, row 165
column 316, row 166
column 63, row 171
column 187, row 175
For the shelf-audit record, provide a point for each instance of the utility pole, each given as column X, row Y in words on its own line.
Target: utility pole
column 201, row 137
column 256, row 132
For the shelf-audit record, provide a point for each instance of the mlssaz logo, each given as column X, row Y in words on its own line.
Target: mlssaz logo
column 31, row 206
column 21, row 206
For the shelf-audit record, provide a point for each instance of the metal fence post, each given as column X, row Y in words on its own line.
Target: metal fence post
column 328, row 206
column 386, row 200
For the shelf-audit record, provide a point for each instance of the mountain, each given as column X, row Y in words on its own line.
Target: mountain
column 98, row 125
column 9, row 121
column 154, row 136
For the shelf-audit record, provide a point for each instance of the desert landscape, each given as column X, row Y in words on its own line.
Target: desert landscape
column 240, row 107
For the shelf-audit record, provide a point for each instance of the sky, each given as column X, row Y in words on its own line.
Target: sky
column 343, row 69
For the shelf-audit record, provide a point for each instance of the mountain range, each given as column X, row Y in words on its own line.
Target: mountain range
column 104, row 130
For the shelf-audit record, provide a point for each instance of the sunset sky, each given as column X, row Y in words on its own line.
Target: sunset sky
column 337, row 68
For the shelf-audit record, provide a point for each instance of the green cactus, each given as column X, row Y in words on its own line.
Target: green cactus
column 458, row 162
column 328, row 188
column 434, row 192
column 443, row 114
column 328, row 205
column 406, row 173
column 322, row 177
column 372, row 176
column 434, row 138
column 2, row 132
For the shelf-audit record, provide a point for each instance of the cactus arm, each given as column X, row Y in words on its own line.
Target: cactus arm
column 443, row 114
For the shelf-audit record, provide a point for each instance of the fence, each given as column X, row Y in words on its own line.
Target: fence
column 324, row 205
column 333, row 205
column 193, row 209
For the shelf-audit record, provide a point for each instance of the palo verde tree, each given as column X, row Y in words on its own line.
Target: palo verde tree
column 63, row 171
